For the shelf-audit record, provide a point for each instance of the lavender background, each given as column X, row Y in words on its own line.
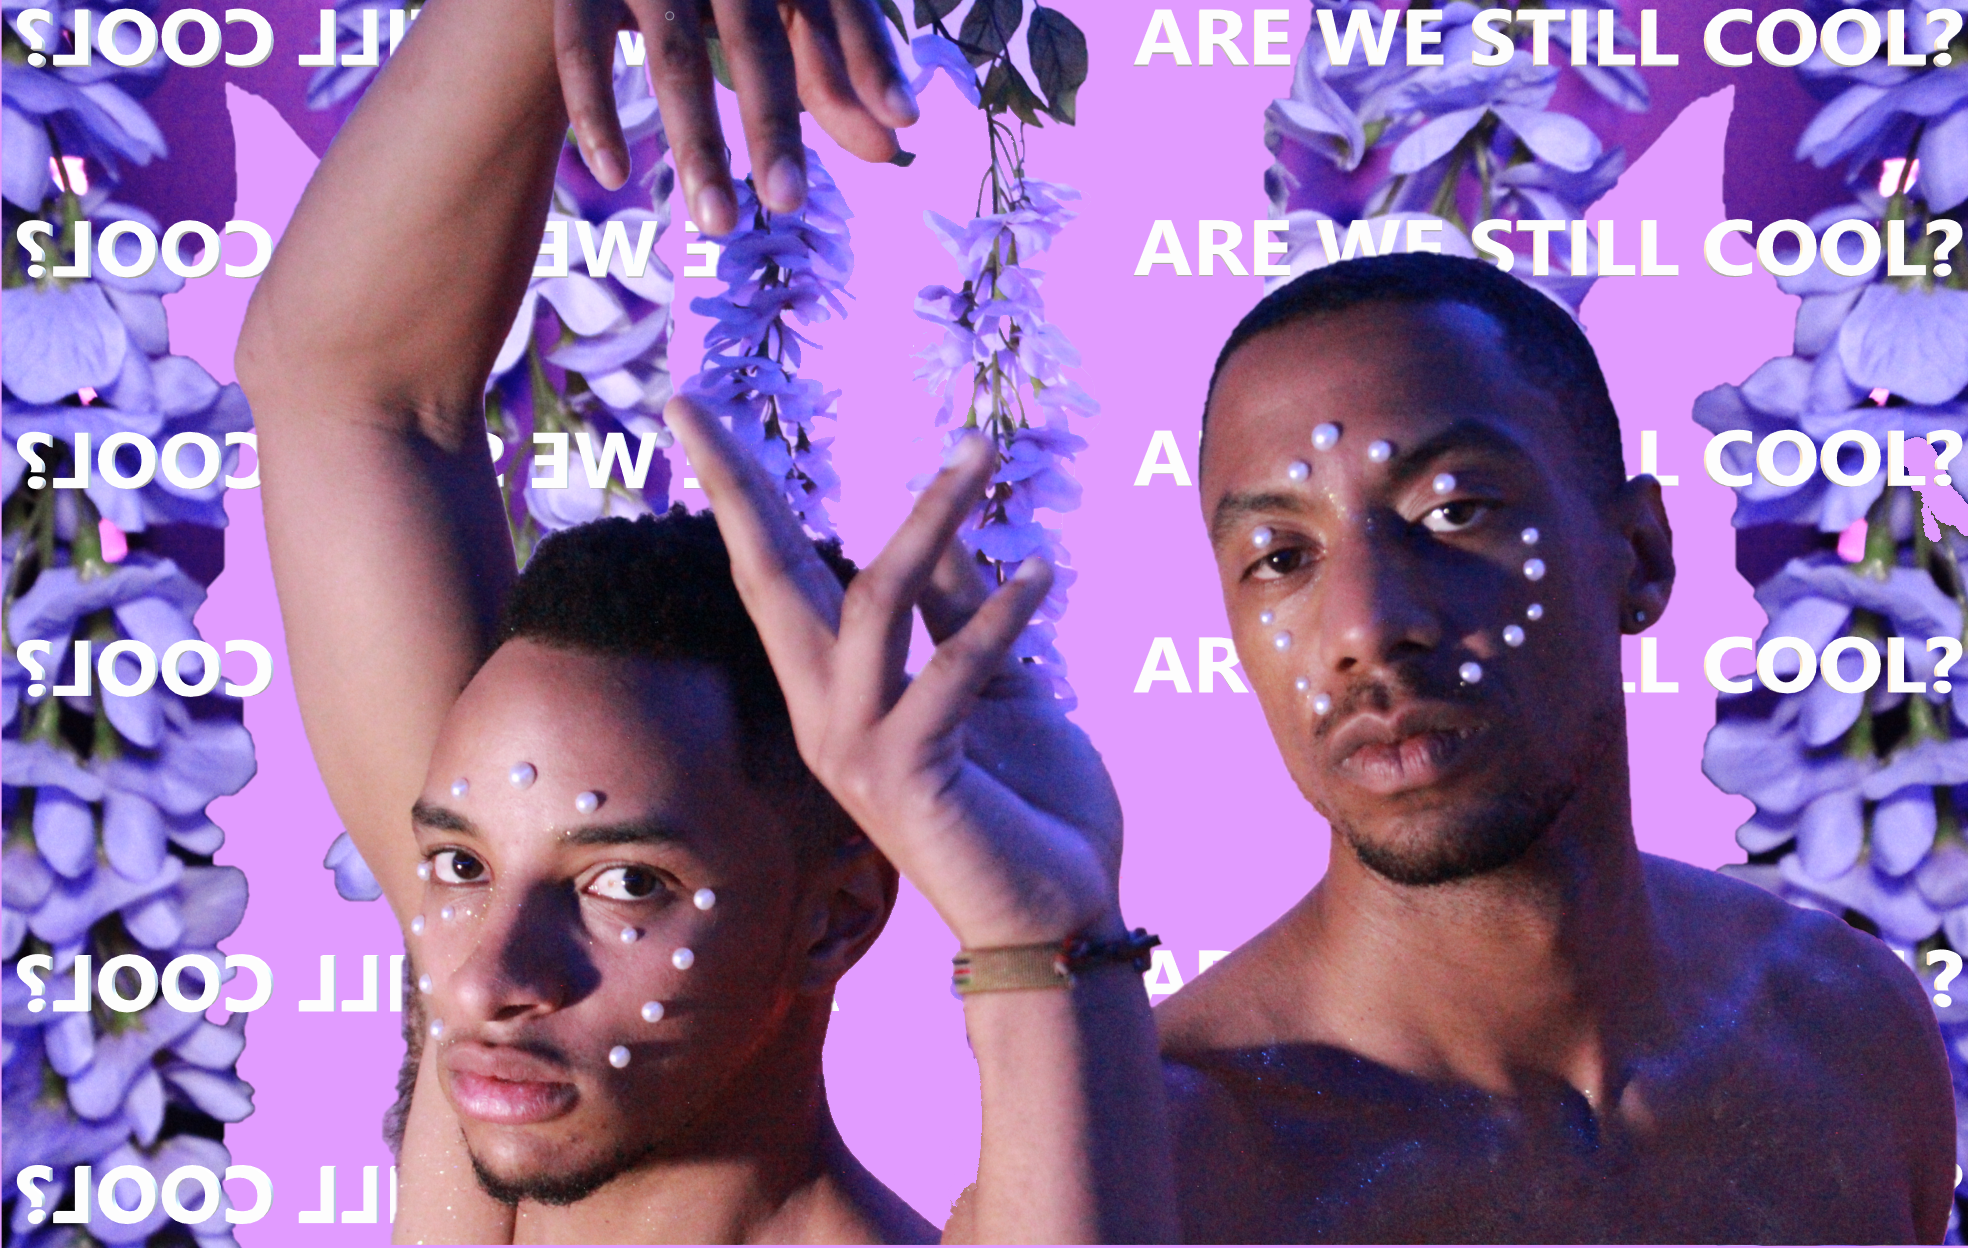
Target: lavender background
column 1219, row 842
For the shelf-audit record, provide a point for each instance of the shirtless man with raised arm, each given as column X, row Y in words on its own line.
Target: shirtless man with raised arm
column 1495, row 1019
column 625, row 898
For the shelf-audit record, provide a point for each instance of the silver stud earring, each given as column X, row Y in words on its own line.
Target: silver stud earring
column 1471, row 672
column 652, row 1011
column 682, row 959
column 1533, row 569
column 586, row 803
column 1640, row 617
column 618, row 1057
column 1380, row 452
column 1513, row 636
column 703, row 899
column 522, row 775
column 1325, row 436
column 1299, row 470
column 460, row 787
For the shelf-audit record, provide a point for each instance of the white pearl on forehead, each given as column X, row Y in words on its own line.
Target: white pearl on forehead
column 522, row 775
column 417, row 926
column 1534, row 612
column 631, row 934
column 618, row 1056
column 423, row 870
column 1325, row 436
column 424, row 982
column 1281, row 641
column 436, row 1028
column 1443, row 482
column 1471, row 672
column 460, row 787
column 587, row 802
column 1533, row 569
column 1530, row 537
column 1298, row 470
column 703, row 899
column 652, row 1011
column 1321, row 704
column 1380, row 452
column 1265, row 617
column 682, row 959
column 1261, row 535
column 1513, row 635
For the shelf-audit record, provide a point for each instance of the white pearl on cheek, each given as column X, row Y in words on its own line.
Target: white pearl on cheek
column 1299, row 470
column 682, row 959
column 423, row 870
column 1380, row 452
column 446, row 914
column 652, row 1011
column 1321, row 705
column 460, row 787
column 1530, row 537
column 1534, row 612
column 1533, row 569
column 1261, row 536
column 631, row 934
column 1512, row 635
column 1266, row 617
column 423, row 983
column 1471, row 672
column 522, row 775
column 436, row 1028
column 1303, row 684
column 417, row 926
column 1325, row 436
column 1443, row 482
column 1281, row 641
column 587, row 803
column 703, row 899
column 618, row 1057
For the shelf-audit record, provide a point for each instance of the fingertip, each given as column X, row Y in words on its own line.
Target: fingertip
column 783, row 189
column 967, row 451
column 1035, row 568
column 609, row 166
column 900, row 107
column 714, row 208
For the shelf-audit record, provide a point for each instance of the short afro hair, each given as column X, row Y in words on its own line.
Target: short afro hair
column 1544, row 342
column 660, row 588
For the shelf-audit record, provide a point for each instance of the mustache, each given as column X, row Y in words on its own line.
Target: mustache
column 532, row 1046
column 1413, row 681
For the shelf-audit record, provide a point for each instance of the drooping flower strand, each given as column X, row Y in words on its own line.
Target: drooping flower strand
column 783, row 265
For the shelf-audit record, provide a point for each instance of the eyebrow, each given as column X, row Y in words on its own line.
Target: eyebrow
column 1234, row 507
column 1463, row 435
column 634, row 832
column 438, row 819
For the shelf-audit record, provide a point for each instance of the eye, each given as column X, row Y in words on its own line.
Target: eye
column 1279, row 563
column 625, row 883
column 1455, row 517
column 455, row 866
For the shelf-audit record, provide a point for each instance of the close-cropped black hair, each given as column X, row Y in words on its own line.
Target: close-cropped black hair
column 1546, row 345
column 660, row 588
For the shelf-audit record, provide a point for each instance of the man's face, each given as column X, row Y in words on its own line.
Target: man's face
column 1437, row 704
column 550, row 920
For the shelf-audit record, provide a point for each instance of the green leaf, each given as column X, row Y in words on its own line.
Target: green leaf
column 988, row 28
column 1059, row 59
column 719, row 68
column 894, row 16
column 930, row 11
column 1005, row 90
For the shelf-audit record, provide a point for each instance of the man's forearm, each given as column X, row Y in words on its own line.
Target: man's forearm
column 404, row 264
column 1075, row 1146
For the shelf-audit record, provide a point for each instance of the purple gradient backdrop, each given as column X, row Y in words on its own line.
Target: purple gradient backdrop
column 1219, row 843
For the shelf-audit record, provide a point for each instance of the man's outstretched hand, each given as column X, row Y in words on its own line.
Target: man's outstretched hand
column 832, row 56
column 969, row 777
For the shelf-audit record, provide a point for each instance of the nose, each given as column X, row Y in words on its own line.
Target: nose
column 529, row 957
column 1379, row 600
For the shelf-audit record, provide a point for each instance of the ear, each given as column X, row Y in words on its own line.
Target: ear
column 1648, row 540
column 849, row 903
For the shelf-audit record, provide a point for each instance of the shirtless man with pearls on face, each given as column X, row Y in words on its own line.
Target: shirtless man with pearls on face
column 1495, row 1019
column 633, row 840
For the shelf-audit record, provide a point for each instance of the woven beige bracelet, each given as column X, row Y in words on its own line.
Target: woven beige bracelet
column 1051, row 965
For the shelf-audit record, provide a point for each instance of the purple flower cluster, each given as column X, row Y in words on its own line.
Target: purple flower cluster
column 793, row 264
column 108, row 850
column 1452, row 144
column 1004, row 366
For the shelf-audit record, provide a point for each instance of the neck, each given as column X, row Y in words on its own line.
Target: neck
column 764, row 1163
column 1537, row 971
